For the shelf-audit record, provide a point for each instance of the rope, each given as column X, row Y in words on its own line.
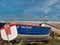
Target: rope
column 52, row 26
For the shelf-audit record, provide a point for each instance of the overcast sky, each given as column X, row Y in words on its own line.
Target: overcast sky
column 29, row 9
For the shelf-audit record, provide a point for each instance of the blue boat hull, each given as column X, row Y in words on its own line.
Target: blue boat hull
column 33, row 30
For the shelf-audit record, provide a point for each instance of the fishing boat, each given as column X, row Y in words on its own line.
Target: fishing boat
column 31, row 31
column 24, row 30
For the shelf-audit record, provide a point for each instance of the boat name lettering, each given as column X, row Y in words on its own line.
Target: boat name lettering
column 26, row 27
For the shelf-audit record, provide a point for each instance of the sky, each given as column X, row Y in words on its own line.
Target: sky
column 30, row 10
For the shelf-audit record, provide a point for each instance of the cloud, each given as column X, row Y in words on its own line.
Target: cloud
column 53, row 17
column 46, row 17
column 39, row 7
column 57, row 6
column 3, row 5
column 50, row 2
column 46, row 6
column 43, row 7
column 30, row 10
